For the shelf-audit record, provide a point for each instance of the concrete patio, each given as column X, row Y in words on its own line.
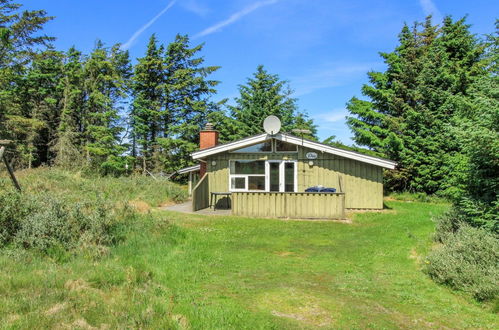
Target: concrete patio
column 187, row 208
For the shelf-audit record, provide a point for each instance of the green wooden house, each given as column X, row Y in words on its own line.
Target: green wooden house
column 266, row 175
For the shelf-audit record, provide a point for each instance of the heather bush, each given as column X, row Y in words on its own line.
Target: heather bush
column 47, row 222
column 467, row 260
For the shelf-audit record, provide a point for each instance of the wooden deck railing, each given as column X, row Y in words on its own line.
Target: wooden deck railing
column 301, row 205
column 200, row 194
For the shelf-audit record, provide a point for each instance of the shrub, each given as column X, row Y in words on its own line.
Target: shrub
column 468, row 260
column 48, row 222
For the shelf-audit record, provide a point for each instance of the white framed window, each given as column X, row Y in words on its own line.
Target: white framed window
column 262, row 175
column 247, row 175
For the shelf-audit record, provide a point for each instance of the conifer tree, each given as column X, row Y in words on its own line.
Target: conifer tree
column 263, row 95
column 413, row 103
column 20, row 39
column 69, row 146
column 187, row 91
column 106, row 72
column 148, row 108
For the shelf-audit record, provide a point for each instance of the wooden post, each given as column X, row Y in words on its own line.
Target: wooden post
column 190, row 183
column 9, row 169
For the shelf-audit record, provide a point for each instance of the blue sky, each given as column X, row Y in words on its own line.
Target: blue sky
column 322, row 47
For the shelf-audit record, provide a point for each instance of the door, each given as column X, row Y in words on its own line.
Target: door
column 281, row 176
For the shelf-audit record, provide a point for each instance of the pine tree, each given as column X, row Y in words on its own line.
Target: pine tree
column 187, row 91
column 263, row 95
column 413, row 103
column 19, row 43
column 478, row 134
column 148, row 109
column 69, row 146
column 105, row 85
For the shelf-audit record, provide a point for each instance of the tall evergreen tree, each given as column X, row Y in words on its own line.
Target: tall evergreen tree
column 263, row 95
column 149, row 119
column 187, row 91
column 478, row 134
column 41, row 100
column 413, row 103
column 19, row 41
column 106, row 72
column 69, row 146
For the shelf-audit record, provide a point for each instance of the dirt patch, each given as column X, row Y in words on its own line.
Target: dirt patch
column 347, row 220
column 303, row 307
column 81, row 324
column 414, row 255
column 167, row 203
column 12, row 318
column 181, row 320
column 55, row 309
column 77, row 285
column 284, row 253
column 140, row 206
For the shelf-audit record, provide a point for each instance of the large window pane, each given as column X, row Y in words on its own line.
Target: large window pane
column 238, row 183
column 285, row 147
column 289, row 177
column 247, row 167
column 256, row 183
column 274, row 176
column 260, row 147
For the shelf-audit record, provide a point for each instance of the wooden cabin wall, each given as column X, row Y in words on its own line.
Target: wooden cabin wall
column 362, row 183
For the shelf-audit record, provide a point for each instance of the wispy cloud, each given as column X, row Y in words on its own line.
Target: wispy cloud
column 332, row 116
column 430, row 8
column 137, row 33
column 234, row 17
column 195, row 7
column 330, row 75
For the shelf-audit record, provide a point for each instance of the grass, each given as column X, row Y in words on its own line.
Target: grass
column 140, row 191
column 189, row 271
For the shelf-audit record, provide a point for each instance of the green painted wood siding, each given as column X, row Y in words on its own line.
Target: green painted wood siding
column 200, row 194
column 289, row 205
column 362, row 183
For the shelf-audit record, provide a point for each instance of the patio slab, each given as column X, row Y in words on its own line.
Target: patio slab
column 187, row 208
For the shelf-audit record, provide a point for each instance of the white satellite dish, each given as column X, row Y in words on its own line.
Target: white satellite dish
column 272, row 125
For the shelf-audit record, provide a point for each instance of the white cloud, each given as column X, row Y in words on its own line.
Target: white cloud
column 137, row 33
column 429, row 8
column 234, row 17
column 333, row 116
column 195, row 7
column 330, row 76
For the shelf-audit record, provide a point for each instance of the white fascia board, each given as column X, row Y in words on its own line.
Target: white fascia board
column 230, row 146
column 337, row 151
column 385, row 163
column 189, row 169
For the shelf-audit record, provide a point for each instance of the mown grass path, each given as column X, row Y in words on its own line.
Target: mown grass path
column 230, row 272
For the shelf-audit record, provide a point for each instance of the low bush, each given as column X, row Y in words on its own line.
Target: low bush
column 467, row 260
column 50, row 222
column 417, row 197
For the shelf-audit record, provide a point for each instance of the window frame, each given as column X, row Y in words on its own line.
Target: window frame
column 282, row 183
column 245, row 176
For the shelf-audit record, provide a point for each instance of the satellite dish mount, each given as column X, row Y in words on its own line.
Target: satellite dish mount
column 272, row 125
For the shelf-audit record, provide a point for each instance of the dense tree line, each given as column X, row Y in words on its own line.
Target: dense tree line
column 434, row 110
column 98, row 111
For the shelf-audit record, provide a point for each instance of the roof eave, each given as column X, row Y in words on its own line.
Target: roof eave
column 385, row 163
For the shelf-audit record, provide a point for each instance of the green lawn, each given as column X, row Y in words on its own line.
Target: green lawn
column 184, row 271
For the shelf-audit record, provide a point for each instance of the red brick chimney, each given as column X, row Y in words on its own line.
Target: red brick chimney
column 208, row 138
